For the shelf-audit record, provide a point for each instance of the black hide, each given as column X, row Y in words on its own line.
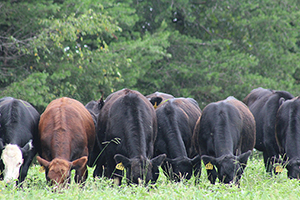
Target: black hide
column 264, row 104
column 177, row 118
column 127, row 129
column 288, row 135
column 224, row 137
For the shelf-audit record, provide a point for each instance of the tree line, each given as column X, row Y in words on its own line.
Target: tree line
column 206, row 50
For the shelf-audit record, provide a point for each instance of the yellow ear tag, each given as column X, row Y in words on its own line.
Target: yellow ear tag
column 209, row 166
column 278, row 169
column 42, row 169
column 155, row 105
column 120, row 166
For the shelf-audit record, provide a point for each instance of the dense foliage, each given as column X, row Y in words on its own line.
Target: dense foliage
column 207, row 50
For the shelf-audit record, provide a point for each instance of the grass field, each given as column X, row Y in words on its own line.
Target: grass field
column 255, row 184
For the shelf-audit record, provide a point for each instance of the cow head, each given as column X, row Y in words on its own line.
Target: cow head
column 12, row 157
column 58, row 171
column 181, row 167
column 293, row 168
column 141, row 169
column 229, row 167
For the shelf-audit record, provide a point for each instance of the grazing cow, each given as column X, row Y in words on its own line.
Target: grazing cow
column 94, row 108
column 18, row 129
column 127, row 129
column 264, row 103
column 157, row 97
column 224, row 137
column 176, row 119
column 288, row 135
column 67, row 135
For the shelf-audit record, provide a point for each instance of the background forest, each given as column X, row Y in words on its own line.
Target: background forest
column 202, row 49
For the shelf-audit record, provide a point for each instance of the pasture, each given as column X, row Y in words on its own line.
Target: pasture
column 255, row 184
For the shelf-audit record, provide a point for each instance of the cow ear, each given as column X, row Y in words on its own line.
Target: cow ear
column 244, row 157
column 195, row 160
column 281, row 101
column 43, row 162
column 27, row 147
column 158, row 160
column 100, row 103
column 122, row 159
column 209, row 159
column 155, row 101
column 79, row 163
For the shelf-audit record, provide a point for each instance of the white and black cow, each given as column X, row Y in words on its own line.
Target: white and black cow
column 288, row 135
column 18, row 132
column 224, row 137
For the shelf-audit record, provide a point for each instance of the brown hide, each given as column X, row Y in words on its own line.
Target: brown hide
column 67, row 135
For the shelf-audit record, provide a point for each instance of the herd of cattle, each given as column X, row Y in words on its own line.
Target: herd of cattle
column 140, row 133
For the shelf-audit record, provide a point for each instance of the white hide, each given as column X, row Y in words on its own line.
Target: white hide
column 12, row 159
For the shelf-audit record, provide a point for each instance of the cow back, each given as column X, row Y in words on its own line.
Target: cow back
column 66, row 130
column 18, row 121
column 288, row 128
column 264, row 104
column 177, row 118
column 249, row 125
column 225, row 127
column 128, row 115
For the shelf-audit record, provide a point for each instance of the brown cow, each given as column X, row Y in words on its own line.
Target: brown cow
column 67, row 135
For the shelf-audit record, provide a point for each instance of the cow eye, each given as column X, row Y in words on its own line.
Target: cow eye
column 19, row 164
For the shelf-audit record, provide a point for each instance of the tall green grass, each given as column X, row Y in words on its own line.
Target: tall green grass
column 255, row 184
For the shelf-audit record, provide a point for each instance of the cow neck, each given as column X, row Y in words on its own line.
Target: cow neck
column 223, row 144
column 292, row 142
column 135, row 140
column 136, row 146
column 175, row 144
column 172, row 135
column 177, row 149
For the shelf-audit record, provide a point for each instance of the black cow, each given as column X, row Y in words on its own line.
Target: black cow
column 158, row 97
column 94, row 108
column 288, row 135
column 18, row 133
column 176, row 120
column 224, row 137
column 127, row 129
column 264, row 104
